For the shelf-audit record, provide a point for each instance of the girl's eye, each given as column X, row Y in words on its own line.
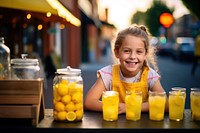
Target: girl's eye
column 140, row 51
column 126, row 51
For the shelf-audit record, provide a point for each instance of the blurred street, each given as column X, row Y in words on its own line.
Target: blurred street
column 173, row 73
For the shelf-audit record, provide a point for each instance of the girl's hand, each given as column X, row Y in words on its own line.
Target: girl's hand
column 122, row 108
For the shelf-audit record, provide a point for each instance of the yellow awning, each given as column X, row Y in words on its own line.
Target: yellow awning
column 43, row 6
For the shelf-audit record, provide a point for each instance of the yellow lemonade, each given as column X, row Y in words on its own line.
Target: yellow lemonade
column 110, row 102
column 195, row 104
column 133, row 102
column 176, row 105
column 157, row 101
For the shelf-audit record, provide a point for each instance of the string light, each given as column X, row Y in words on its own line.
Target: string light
column 39, row 27
column 64, row 13
column 28, row 16
column 48, row 14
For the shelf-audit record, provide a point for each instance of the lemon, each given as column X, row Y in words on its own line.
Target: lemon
column 77, row 97
column 130, row 115
column 59, row 106
column 79, row 88
column 72, row 88
column 66, row 99
column 79, row 114
column 61, row 115
column 64, row 82
column 56, row 96
column 79, row 106
column 62, row 89
column 159, row 116
column 129, row 100
column 197, row 102
column 113, row 116
column 70, row 107
column 55, row 115
column 72, row 85
column 71, row 116
column 179, row 101
column 178, row 93
column 54, row 102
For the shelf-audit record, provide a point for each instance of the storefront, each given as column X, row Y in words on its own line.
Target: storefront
column 41, row 27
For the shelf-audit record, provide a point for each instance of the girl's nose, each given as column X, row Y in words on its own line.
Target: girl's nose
column 132, row 55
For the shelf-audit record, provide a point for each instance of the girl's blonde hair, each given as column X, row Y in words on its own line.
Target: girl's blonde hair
column 142, row 32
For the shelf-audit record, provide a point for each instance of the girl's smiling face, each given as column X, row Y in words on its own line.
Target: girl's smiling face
column 131, row 55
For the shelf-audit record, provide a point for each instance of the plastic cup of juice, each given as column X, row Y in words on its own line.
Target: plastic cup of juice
column 133, row 101
column 110, row 103
column 195, row 103
column 176, row 105
column 157, row 101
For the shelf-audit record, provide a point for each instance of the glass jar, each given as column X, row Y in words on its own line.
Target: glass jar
column 4, row 60
column 25, row 68
column 68, row 95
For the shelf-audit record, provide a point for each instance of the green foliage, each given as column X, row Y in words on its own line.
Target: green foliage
column 138, row 18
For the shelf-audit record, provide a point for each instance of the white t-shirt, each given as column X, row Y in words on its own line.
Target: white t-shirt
column 106, row 74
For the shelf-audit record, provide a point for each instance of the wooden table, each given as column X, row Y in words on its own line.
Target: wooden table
column 93, row 122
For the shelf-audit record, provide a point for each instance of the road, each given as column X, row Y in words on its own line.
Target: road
column 173, row 73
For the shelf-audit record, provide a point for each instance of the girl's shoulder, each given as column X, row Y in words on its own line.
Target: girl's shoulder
column 153, row 77
column 106, row 70
column 152, row 74
column 106, row 75
column 108, row 67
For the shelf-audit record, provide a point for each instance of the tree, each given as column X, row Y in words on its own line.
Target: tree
column 138, row 18
column 193, row 7
column 151, row 17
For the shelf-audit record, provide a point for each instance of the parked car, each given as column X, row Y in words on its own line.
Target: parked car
column 164, row 46
column 183, row 49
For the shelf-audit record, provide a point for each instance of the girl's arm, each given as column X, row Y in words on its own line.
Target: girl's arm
column 145, row 107
column 92, row 99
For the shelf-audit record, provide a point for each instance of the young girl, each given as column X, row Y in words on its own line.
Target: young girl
column 134, row 53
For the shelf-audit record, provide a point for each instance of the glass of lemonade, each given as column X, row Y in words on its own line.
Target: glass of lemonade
column 176, row 105
column 133, row 101
column 157, row 101
column 195, row 103
column 110, row 102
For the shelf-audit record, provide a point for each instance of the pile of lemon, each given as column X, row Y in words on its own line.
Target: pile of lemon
column 68, row 101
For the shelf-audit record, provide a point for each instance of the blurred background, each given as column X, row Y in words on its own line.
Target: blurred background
column 80, row 34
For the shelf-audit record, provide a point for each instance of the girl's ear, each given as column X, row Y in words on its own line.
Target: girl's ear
column 116, row 53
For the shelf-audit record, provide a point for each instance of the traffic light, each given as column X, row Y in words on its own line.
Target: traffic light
column 163, row 40
column 166, row 19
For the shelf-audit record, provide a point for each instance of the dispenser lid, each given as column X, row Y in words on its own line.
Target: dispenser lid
column 24, row 61
column 68, row 70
